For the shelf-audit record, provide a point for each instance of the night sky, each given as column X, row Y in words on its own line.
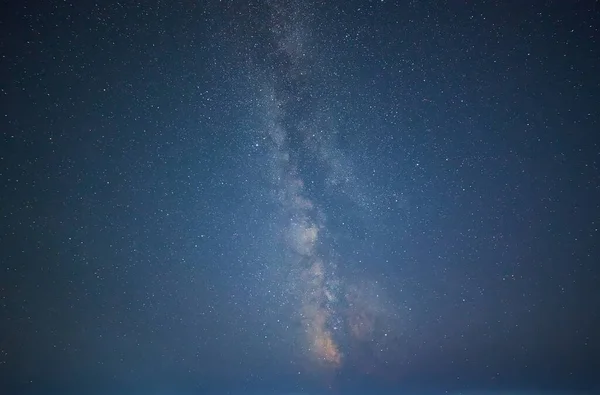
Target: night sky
column 276, row 197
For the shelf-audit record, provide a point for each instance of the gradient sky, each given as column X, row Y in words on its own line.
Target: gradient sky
column 319, row 197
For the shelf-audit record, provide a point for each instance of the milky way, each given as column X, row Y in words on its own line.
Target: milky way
column 302, row 140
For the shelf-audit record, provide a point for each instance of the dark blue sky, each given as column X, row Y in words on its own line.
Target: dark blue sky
column 299, row 196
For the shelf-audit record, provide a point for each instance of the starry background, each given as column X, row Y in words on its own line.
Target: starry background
column 325, row 197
